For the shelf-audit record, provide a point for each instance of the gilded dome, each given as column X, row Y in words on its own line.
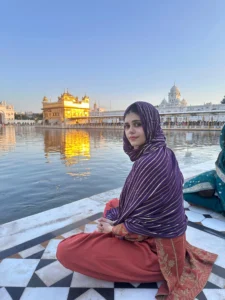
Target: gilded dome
column 45, row 99
column 183, row 102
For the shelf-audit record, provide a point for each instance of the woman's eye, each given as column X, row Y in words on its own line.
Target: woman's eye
column 126, row 126
column 137, row 124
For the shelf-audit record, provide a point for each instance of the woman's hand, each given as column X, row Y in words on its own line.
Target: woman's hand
column 106, row 221
column 104, row 227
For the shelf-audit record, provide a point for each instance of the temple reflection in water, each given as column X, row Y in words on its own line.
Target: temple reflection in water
column 72, row 144
column 7, row 139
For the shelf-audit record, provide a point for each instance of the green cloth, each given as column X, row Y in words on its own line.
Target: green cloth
column 212, row 203
column 214, row 179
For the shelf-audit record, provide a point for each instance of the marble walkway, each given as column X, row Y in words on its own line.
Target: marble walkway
column 29, row 269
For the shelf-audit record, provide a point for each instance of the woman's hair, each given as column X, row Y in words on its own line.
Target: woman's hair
column 132, row 109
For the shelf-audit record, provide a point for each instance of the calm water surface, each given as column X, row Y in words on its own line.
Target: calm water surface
column 45, row 168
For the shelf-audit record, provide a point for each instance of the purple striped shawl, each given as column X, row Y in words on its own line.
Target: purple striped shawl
column 151, row 202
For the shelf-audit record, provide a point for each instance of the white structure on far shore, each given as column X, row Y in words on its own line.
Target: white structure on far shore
column 7, row 113
column 176, row 110
column 174, row 99
column 172, row 111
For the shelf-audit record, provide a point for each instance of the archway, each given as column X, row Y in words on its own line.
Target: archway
column 2, row 117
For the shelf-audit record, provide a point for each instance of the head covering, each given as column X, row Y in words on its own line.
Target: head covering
column 150, row 121
column 220, row 163
column 151, row 202
column 220, row 170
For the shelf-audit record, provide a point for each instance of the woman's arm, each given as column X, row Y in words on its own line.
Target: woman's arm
column 121, row 232
column 112, row 214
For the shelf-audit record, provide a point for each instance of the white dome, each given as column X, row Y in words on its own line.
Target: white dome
column 174, row 89
column 164, row 101
column 184, row 102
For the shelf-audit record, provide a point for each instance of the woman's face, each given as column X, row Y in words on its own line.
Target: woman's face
column 134, row 130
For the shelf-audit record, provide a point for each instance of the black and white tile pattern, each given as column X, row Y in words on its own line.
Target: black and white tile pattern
column 34, row 273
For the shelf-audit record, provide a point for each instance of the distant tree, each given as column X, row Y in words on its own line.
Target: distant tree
column 38, row 116
column 19, row 116
column 223, row 101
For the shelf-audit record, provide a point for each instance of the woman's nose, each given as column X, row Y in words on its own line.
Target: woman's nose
column 131, row 129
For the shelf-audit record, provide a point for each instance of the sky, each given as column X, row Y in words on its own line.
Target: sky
column 116, row 51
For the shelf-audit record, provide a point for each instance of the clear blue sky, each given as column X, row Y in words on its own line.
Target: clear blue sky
column 118, row 50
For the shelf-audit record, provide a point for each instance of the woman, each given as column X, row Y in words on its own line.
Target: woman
column 208, row 188
column 141, row 237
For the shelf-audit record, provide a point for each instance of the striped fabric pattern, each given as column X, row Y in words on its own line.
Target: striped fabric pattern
column 151, row 202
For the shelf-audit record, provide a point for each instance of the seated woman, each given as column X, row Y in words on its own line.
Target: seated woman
column 141, row 237
column 208, row 188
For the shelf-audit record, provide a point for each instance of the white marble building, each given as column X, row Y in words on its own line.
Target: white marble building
column 173, row 112
column 174, row 99
column 177, row 110
column 6, row 113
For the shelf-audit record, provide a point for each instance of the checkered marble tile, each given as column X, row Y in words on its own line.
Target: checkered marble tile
column 45, row 294
column 53, row 273
column 31, row 251
column 186, row 204
column 50, row 251
column 17, row 272
column 194, row 217
column 217, row 280
column 215, row 224
column 80, row 280
column 206, row 218
column 34, row 273
column 129, row 294
column 71, row 232
column 214, row 294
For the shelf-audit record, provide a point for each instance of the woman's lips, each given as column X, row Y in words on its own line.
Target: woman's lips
column 132, row 138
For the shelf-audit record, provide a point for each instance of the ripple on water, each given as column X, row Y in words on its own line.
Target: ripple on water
column 43, row 169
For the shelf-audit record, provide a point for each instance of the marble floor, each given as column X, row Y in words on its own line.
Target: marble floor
column 29, row 269
column 32, row 271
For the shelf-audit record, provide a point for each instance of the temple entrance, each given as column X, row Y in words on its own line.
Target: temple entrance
column 1, row 118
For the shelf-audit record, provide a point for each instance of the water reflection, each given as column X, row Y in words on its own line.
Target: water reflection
column 174, row 139
column 7, row 139
column 83, row 163
column 74, row 145
column 101, row 138
column 199, row 138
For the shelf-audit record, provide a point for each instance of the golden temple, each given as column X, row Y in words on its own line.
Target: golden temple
column 68, row 109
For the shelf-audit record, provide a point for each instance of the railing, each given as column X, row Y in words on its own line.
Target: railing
column 194, row 127
column 120, row 126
